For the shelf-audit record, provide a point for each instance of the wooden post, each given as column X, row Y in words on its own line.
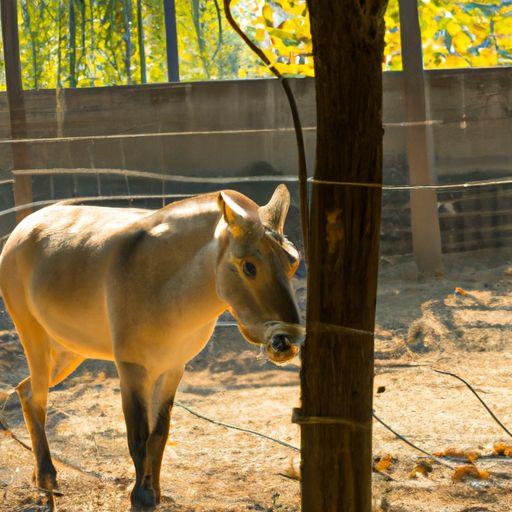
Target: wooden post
column 426, row 235
column 22, row 184
column 337, row 360
column 171, row 39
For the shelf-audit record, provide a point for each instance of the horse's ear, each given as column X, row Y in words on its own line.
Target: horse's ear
column 236, row 217
column 273, row 214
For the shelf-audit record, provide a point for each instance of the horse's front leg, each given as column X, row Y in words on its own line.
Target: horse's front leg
column 162, row 401
column 135, row 392
column 146, row 405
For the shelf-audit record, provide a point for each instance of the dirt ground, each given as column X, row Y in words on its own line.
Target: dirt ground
column 461, row 322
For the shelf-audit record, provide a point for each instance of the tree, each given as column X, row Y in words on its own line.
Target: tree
column 337, row 359
column 85, row 43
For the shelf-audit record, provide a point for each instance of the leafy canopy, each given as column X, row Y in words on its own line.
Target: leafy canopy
column 86, row 43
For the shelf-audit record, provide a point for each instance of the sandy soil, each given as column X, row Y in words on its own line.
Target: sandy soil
column 210, row 468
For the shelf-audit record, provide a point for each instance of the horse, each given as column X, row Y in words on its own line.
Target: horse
column 144, row 288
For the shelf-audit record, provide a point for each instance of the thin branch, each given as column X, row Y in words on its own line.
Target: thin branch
column 220, row 38
column 411, row 444
column 234, row 427
column 303, row 173
column 12, row 435
column 465, row 382
column 5, row 427
column 480, row 399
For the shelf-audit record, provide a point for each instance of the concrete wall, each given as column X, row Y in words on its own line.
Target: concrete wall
column 243, row 128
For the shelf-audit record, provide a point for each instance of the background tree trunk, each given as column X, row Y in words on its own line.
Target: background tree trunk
column 140, row 36
column 25, row 14
column 127, row 16
column 337, row 361
column 72, row 44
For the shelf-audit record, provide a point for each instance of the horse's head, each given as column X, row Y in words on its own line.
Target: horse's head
column 254, row 270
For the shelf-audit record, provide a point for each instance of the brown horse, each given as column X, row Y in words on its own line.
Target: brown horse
column 144, row 289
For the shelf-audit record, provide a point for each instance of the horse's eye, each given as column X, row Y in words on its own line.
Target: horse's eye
column 249, row 269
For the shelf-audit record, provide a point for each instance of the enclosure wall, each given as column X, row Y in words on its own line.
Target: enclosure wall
column 244, row 128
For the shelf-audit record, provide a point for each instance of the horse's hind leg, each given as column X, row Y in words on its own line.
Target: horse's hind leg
column 33, row 394
column 48, row 366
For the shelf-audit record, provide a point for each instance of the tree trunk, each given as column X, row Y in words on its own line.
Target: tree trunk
column 72, row 44
column 127, row 15
column 59, row 46
column 337, row 360
column 142, row 50
column 92, row 49
column 196, row 20
column 171, row 41
column 16, row 103
column 25, row 14
column 426, row 232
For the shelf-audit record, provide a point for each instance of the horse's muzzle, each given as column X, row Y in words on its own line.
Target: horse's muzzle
column 280, row 343
column 284, row 341
column 278, row 334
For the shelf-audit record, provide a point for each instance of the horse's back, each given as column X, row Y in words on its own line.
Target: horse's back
column 53, row 267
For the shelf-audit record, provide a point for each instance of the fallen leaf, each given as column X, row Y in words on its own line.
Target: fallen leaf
column 469, row 455
column 503, row 449
column 383, row 463
column 423, row 468
column 469, row 471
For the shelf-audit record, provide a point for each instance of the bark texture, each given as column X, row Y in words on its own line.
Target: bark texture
column 17, row 116
column 337, row 371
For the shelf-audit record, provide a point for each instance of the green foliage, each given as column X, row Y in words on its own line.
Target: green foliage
column 208, row 48
column 281, row 29
column 86, row 43
column 466, row 33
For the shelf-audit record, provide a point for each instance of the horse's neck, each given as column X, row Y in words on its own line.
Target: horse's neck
column 196, row 216
column 183, row 240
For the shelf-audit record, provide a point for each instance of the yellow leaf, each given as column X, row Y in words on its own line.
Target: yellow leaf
column 268, row 14
column 486, row 57
column 470, row 455
column 383, row 463
column 454, row 61
column 453, row 28
column 423, row 468
column 503, row 449
column 461, row 42
column 469, row 471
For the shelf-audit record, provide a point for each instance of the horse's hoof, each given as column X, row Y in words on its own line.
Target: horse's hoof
column 46, row 481
column 143, row 498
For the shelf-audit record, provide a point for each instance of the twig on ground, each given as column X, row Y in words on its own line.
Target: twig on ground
column 386, row 475
column 282, row 443
column 5, row 427
column 480, row 399
column 284, row 475
column 411, row 444
column 465, row 382
column 234, row 427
